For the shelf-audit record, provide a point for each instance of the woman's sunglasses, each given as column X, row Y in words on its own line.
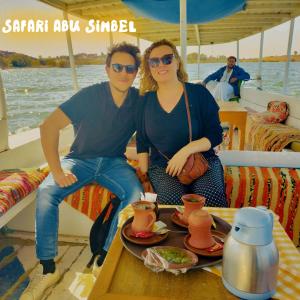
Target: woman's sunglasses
column 130, row 69
column 166, row 60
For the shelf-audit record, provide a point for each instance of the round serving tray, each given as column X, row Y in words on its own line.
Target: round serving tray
column 176, row 238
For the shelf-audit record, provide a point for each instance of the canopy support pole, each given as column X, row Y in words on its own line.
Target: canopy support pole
column 3, row 119
column 183, row 31
column 289, row 50
column 261, row 49
column 71, row 55
column 237, row 52
column 198, row 56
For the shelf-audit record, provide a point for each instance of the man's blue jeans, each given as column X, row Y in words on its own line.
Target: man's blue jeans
column 114, row 174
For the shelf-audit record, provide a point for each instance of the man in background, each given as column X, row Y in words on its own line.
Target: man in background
column 226, row 80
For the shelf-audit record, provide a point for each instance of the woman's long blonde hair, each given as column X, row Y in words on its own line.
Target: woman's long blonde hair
column 147, row 82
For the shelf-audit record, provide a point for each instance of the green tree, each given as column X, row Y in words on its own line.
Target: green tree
column 3, row 63
column 20, row 61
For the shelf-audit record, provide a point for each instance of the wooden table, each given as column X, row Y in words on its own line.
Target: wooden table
column 236, row 115
column 124, row 277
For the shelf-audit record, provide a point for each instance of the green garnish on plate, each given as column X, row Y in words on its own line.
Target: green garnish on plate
column 175, row 256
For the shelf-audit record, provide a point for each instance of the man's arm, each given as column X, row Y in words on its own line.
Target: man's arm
column 213, row 76
column 242, row 74
column 49, row 131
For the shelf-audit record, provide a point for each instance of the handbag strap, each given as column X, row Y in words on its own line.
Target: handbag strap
column 186, row 100
column 188, row 112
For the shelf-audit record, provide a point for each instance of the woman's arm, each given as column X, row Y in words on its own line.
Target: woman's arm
column 176, row 164
column 142, row 142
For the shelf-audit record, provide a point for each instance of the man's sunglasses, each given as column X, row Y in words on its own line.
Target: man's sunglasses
column 130, row 69
column 166, row 60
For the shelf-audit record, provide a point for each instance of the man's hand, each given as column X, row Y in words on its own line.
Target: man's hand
column 233, row 79
column 64, row 178
column 176, row 164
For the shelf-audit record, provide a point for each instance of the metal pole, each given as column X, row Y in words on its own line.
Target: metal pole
column 198, row 62
column 138, row 41
column 237, row 52
column 198, row 56
column 183, row 31
column 261, row 48
column 3, row 119
column 287, row 65
column 71, row 55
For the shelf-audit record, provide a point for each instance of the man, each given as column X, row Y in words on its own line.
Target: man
column 104, row 119
column 227, row 78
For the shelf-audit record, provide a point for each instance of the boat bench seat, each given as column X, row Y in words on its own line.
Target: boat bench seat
column 276, row 188
column 295, row 146
column 262, row 136
column 17, row 185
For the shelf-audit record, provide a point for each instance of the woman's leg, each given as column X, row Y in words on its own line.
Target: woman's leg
column 168, row 188
column 211, row 184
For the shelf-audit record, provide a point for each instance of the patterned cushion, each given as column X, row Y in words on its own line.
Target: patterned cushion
column 16, row 184
column 280, row 108
column 276, row 188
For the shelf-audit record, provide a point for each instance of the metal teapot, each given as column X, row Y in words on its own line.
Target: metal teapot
column 250, row 256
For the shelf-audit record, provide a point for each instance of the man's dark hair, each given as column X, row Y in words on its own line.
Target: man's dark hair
column 233, row 57
column 124, row 47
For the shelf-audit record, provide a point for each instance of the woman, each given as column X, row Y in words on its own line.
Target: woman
column 163, row 128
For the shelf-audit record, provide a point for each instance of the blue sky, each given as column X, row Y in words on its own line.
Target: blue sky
column 52, row 44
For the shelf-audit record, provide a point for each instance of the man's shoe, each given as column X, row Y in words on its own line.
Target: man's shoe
column 97, row 265
column 96, row 269
column 37, row 286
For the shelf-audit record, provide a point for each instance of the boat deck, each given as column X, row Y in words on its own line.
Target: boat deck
column 18, row 264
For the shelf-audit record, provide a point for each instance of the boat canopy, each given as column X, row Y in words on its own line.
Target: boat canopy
column 257, row 16
column 198, row 12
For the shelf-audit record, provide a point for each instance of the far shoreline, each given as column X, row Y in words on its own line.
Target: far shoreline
column 102, row 64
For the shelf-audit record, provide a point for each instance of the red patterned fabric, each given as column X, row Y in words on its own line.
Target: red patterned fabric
column 276, row 188
column 279, row 108
column 16, row 184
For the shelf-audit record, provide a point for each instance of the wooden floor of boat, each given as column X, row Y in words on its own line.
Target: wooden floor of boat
column 75, row 282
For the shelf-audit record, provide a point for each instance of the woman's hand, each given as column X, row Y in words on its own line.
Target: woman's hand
column 177, row 162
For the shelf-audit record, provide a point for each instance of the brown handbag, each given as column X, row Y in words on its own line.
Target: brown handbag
column 196, row 165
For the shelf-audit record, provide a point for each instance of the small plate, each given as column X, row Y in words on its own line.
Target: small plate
column 175, row 219
column 155, row 239
column 174, row 266
column 217, row 235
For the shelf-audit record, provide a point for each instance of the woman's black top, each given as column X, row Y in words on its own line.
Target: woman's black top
column 169, row 132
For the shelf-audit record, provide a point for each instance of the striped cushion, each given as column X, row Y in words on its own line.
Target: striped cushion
column 16, row 184
column 276, row 188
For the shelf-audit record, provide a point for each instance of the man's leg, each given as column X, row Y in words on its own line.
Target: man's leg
column 49, row 196
column 226, row 91
column 120, row 178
